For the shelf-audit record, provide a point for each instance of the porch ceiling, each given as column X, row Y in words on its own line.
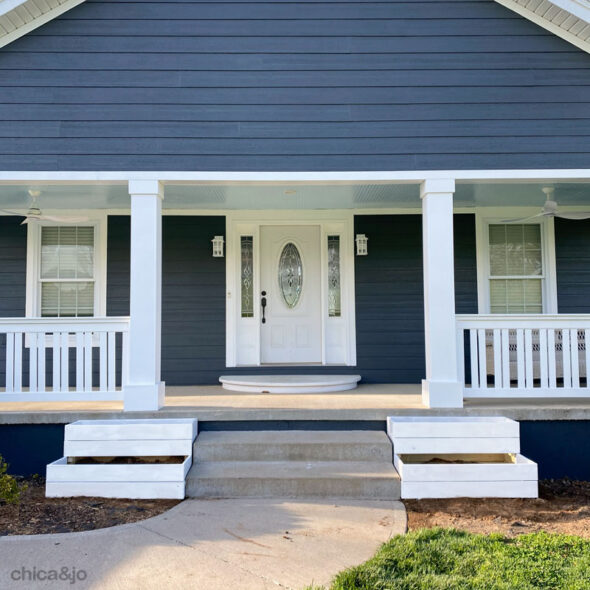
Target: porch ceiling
column 291, row 196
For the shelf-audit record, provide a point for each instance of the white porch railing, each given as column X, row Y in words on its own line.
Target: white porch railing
column 57, row 359
column 524, row 355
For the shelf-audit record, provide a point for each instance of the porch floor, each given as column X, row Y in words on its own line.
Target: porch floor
column 369, row 402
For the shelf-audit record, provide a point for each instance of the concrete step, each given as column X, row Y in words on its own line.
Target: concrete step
column 293, row 445
column 377, row 480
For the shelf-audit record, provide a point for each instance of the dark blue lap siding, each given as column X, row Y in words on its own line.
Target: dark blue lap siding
column 275, row 85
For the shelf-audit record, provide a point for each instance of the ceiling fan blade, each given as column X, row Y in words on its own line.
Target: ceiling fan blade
column 7, row 212
column 574, row 215
column 55, row 218
column 521, row 219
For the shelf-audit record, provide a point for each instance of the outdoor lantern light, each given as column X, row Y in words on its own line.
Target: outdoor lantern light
column 361, row 245
column 217, row 242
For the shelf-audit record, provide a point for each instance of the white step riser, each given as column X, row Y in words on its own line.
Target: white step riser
column 60, row 470
column 292, row 452
column 293, row 488
column 453, row 427
column 127, row 448
column 522, row 470
column 147, row 429
column 100, row 489
column 469, row 489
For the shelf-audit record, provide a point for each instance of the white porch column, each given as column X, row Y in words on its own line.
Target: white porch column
column 441, row 388
column 144, row 389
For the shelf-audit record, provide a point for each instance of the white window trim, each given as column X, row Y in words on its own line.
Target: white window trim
column 98, row 220
column 485, row 216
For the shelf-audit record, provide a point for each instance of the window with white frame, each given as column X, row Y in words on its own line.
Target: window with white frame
column 516, row 268
column 65, row 273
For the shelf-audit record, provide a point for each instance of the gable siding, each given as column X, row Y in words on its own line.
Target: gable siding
column 336, row 85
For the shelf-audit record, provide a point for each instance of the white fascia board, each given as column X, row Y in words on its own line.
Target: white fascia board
column 280, row 178
column 582, row 12
column 35, row 23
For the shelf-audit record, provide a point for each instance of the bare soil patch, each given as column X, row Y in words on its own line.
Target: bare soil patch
column 563, row 506
column 35, row 514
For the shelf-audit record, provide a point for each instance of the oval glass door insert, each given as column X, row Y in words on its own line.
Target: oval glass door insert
column 290, row 275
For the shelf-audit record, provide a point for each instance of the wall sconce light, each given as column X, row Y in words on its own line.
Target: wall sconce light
column 217, row 242
column 361, row 245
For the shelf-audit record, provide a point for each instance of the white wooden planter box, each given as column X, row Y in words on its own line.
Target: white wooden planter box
column 453, row 434
column 157, row 437
column 147, row 480
column 506, row 477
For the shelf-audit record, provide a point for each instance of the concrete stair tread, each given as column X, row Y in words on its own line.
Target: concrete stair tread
column 293, row 437
column 293, row 470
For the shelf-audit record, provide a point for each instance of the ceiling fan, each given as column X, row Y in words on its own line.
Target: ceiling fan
column 35, row 214
column 550, row 209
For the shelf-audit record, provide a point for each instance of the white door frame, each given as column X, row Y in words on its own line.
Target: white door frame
column 243, row 334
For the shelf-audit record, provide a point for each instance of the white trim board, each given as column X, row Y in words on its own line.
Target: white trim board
column 97, row 219
column 484, row 216
column 287, row 178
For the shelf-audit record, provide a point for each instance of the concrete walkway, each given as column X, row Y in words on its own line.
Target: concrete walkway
column 210, row 545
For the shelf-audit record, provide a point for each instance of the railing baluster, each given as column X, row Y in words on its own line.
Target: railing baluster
column 33, row 362
column 111, row 370
column 41, row 361
column 520, row 357
column 56, row 362
column 87, row 362
column 65, row 362
column 498, row 373
column 552, row 358
column 79, row 361
column 473, row 359
column 575, row 356
column 567, row 358
column 483, row 369
column 18, row 361
column 506, row 358
column 125, row 358
column 587, row 355
column 543, row 358
column 528, row 356
column 102, row 338
column 10, row 362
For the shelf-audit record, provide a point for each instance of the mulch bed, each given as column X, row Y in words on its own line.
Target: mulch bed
column 563, row 507
column 35, row 514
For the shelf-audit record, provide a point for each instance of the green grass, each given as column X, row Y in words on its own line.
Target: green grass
column 447, row 559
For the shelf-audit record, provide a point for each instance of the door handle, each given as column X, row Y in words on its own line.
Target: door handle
column 263, row 304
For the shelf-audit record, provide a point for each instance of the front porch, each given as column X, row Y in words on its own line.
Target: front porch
column 368, row 405
column 427, row 237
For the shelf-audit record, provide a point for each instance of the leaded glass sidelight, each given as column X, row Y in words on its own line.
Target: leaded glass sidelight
column 290, row 275
column 247, row 276
column 334, row 305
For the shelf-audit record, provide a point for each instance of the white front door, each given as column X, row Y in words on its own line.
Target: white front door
column 290, row 281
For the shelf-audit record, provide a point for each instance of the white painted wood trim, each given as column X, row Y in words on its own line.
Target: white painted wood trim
column 96, row 219
column 286, row 178
column 248, row 223
column 484, row 216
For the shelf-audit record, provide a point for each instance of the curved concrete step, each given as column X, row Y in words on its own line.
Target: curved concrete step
column 376, row 480
column 289, row 383
column 293, row 445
